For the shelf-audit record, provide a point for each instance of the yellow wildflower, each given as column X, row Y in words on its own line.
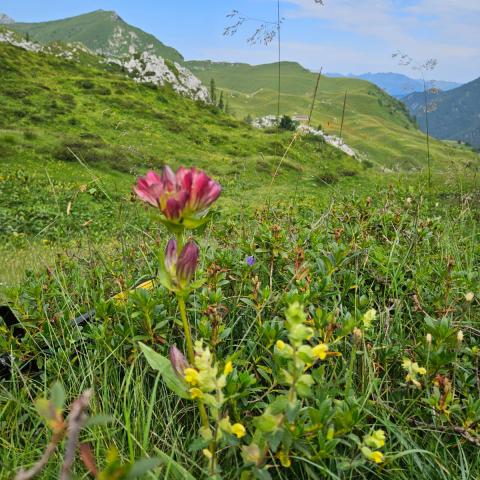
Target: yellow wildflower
column 280, row 344
column 196, row 393
column 191, row 376
column 207, row 453
column 469, row 297
column 376, row 439
column 228, row 369
column 284, row 459
column 369, row 317
column 407, row 363
column 239, row 430
column 374, row 456
column 320, row 351
column 377, row 457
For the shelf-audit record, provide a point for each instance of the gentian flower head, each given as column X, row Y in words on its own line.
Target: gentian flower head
column 250, row 260
column 179, row 268
column 183, row 197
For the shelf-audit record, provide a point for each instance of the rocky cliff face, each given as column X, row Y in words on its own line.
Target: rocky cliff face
column 144, row 67
column 150, row 68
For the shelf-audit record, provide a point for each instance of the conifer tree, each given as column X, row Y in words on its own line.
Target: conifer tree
column 213, row 91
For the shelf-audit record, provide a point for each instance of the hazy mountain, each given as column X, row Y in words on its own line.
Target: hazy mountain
column 453, row 115
column 399, row 85
column 102, row 32
column 5, row 19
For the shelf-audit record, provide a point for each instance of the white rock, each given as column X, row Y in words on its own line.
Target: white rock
column 270, row 121
column 13, row 39
column 150, row 68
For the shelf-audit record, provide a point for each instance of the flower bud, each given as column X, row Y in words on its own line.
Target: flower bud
column 429, row 338
column 178, row 361
column 460, row 336
column 187, row 262
column 170, row 258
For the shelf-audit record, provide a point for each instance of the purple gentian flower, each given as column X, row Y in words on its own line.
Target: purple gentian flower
column 250, row 260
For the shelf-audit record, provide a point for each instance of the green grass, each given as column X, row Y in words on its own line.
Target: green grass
column 376, row 125
column 329, row 232
column 408, row 259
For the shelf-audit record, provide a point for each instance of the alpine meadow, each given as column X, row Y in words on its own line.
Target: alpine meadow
column 220, row 261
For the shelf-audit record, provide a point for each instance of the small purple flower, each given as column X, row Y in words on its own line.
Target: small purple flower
column 250, row 260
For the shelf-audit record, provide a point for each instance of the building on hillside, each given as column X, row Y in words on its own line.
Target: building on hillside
column 300, row 118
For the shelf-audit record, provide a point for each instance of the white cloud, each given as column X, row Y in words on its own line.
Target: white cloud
column 444, row 29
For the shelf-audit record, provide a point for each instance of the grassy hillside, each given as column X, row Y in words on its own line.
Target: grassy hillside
column 453, row 115
column 79, row 133
column 376, row 124
column 101, row 31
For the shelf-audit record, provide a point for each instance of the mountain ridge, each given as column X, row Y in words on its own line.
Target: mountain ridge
column 102, row 31
column 452, row 115
column 397, row 84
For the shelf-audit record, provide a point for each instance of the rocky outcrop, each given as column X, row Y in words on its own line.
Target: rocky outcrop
column 14, row 39
column 270, row 121
column 150, row 68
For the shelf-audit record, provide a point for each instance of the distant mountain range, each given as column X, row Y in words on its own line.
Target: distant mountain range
column 453, row 115
column 398, row 85
column 102, row 31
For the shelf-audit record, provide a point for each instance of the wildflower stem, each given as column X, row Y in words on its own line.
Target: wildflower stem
column 191, row 353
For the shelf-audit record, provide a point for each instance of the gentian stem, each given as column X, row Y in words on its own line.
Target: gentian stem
column 186, row 329
column 191, row 353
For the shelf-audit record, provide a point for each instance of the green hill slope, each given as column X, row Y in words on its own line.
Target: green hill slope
column 101, row 31
column 67, row 128
column 376, row 124
column 453, row 115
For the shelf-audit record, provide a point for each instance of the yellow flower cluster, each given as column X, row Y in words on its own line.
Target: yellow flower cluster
column 413, row 371
column 204, row 379
column 369, row 317
column 236, row 429
column 371, row 445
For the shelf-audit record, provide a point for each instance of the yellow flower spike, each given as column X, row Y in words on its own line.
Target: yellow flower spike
column 239, row 430
column 407, row 363
column 196, row 393
column 280, row 344
column 320, row 351
column 207, row 453
column 379, row 437
column 191, row 376
column 284, row 459
column 422, row 371
column 377, row 457
column 228, row 369
column 369, row 317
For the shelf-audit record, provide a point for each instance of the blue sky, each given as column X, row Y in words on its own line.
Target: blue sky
column 346, row 36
